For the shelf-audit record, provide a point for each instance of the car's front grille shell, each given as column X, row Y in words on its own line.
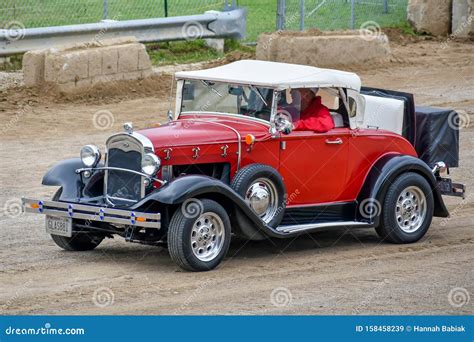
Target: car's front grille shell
column 124, row 152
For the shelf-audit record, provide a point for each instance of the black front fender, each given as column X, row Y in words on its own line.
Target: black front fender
column 389, row 167
column 182, row 188
column 63, row 174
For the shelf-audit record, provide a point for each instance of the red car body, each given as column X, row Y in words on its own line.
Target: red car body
column 309, row 161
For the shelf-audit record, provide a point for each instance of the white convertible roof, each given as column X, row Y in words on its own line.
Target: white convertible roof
column 275, row 75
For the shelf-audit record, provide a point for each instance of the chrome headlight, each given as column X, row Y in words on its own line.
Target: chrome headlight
column 90, row 155
column 150, row 164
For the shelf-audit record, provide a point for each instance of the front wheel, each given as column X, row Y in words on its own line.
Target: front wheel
column 78, row 241
column 199, row 235
column 407, row 209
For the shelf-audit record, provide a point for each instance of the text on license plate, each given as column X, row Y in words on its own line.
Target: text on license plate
column 59, row 225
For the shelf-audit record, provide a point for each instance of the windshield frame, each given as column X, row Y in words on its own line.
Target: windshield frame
column 179, row 101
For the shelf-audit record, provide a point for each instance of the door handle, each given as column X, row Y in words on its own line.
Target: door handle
column 337, row 141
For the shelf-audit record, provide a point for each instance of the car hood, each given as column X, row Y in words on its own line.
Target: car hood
column 204, row 130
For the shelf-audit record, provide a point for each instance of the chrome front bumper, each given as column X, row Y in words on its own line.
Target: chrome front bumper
column 92, row 213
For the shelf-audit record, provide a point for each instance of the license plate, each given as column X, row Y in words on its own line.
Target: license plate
column 59, row 225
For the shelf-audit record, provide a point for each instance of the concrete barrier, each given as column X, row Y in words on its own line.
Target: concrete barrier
column 328, row 49
column 463, row 19
column 430, row 16
column 76, row 68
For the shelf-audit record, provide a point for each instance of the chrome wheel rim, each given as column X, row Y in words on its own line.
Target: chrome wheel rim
column 262, row 197
column 410, row 211
column 207, row 236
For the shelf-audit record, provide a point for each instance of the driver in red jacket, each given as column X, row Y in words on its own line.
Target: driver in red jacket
column 314, row 116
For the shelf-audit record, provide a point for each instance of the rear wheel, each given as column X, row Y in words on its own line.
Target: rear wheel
column 78, row 241
column 199, row 236
column 407, row 209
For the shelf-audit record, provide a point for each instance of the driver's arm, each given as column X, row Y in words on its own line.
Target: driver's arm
column 319, row 122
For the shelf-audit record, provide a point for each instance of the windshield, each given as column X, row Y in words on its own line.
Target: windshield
column 209, row 97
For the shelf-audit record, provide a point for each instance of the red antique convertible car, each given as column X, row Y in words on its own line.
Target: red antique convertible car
column 229, row 163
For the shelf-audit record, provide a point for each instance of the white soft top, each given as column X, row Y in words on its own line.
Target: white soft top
column 275, row 75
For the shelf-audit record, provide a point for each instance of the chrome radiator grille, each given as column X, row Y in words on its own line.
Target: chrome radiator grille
column 125, row 152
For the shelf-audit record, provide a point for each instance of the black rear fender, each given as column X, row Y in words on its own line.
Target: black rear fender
column 389, row 167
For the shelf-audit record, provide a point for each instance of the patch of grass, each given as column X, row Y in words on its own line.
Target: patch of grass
column 190, row 51
column 13, row 64
column 235, row 45
column 406, row 28
column 180, row 52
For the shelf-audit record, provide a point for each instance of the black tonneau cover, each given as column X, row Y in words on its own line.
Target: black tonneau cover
column 438, row 135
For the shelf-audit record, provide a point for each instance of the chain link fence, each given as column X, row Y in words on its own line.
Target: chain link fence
column 42, row 13
column 339, row 14
column 262, row 16
column 271, row 15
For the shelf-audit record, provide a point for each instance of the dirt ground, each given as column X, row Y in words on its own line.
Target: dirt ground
column 330, row 272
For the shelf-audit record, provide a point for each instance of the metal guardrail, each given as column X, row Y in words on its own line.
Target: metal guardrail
column 211, row 24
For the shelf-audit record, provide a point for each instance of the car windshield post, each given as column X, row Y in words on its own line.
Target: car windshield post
column 276, row 96
column 170, row 114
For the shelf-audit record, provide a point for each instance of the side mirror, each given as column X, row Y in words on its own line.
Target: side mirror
column 283, row 122
column 170, row 115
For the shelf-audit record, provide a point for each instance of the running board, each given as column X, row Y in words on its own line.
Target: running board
column 310, row 226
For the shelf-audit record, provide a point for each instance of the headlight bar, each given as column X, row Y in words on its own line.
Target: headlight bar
column 162, row 182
